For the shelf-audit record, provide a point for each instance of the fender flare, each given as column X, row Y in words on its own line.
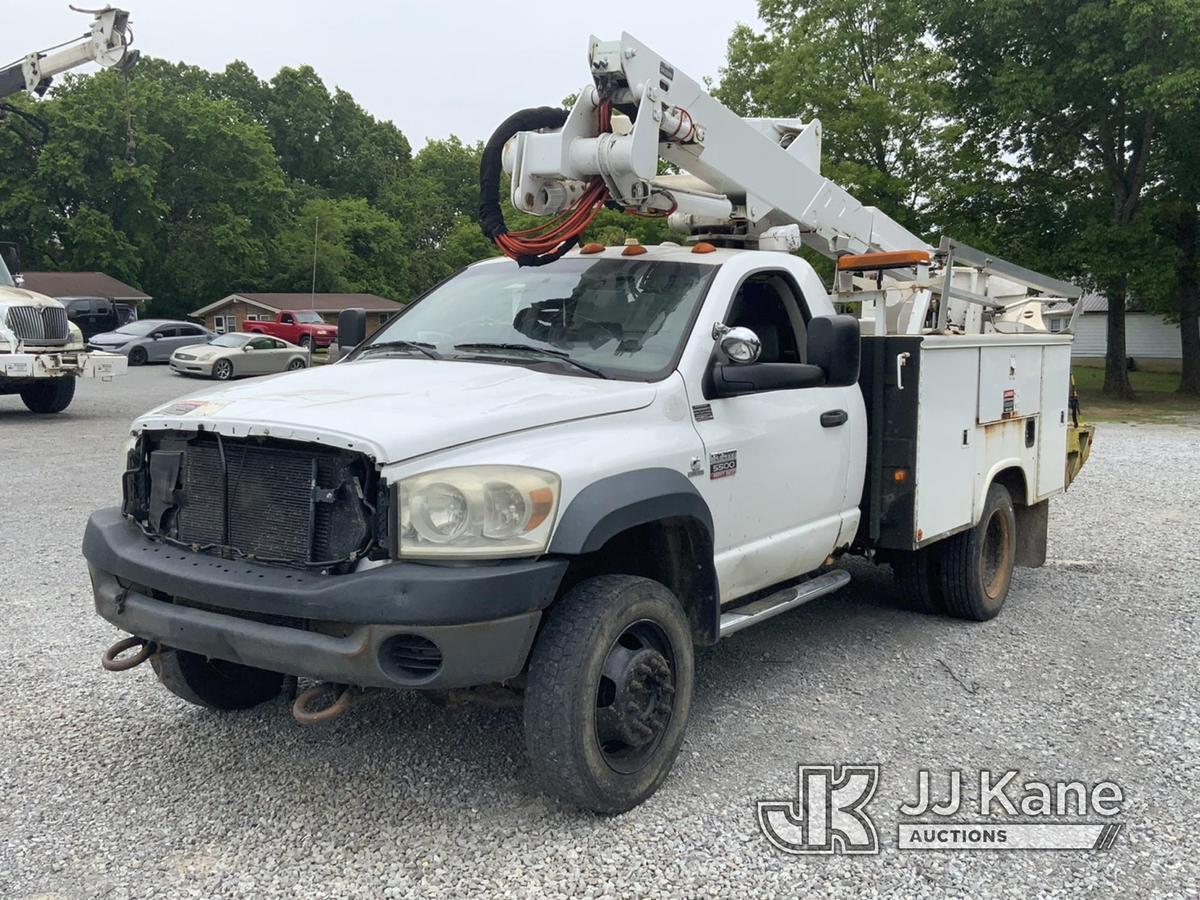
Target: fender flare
column 617, row 503
column 612, row 505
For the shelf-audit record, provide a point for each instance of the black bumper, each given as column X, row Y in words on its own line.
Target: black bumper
column 345, row 628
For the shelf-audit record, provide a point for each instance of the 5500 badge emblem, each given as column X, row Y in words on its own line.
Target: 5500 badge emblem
column 723, row 464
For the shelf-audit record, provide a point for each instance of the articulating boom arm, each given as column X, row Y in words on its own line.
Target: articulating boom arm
column 106, row 43
column 758, row 178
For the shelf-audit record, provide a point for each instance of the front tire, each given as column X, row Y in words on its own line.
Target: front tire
column 608, row 692
column 138, row 356
column 222, row 370
column 50, row 396
column 306, row 341
column 214, row 683
column 976, row 566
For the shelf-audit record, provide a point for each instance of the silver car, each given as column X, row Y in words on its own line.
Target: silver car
column 236, row 354
column 151, row 340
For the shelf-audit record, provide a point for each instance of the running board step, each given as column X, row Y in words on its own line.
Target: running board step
column 789, row 598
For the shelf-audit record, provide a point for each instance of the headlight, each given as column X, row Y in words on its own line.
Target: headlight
column 477, row 512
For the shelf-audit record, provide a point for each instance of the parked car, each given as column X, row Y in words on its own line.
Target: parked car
column 126, row 313
column 92, row 315
column 151, row 340
column 231, row 355
column 299, row 326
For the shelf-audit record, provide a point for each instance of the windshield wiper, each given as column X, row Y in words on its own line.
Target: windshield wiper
column 530, row 348
column 420, row 346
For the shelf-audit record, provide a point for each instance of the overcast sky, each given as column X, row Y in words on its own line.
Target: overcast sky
column 433, row 68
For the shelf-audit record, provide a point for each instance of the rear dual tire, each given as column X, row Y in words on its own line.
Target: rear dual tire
column 967, row 575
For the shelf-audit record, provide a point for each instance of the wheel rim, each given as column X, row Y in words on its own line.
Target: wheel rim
column 296, row 364
column 997, row 555
column 224, row 369
column 635, row 696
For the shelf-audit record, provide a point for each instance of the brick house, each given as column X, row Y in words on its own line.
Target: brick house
column 232, row 312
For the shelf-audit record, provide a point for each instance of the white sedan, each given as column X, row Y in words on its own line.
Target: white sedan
column 236, row 354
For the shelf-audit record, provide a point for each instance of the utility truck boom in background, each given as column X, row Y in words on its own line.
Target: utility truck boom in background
column 41, row 351
column 560, row 474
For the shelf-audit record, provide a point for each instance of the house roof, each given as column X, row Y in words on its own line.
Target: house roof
column 323, row 303
column 81, row 284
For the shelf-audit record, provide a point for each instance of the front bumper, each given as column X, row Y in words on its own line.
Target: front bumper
column 350, row 629
column 191, row 366
column 56, row 364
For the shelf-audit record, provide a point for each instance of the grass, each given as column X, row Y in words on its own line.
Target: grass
column 1156, row 399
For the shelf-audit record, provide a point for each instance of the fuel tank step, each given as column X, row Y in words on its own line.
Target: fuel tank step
column 781, row 601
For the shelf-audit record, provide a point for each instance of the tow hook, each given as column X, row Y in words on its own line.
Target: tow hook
column 114, row 662
column 313, row 706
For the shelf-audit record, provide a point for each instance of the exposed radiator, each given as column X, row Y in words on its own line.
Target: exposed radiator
column 272, row 501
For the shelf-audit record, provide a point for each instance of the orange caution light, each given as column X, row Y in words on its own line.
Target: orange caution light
column 897, row 259
column 633, row 250
column 900, row 475
column 592, row 247
column 703, row 247
column 543, row 502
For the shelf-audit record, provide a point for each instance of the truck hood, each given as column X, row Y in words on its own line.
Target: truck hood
column 397, row 409
column 13, row 296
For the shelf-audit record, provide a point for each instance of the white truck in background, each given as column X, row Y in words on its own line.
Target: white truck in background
column 560, row 474
column 41, row 352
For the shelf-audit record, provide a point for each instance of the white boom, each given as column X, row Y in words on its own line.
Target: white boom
column 106, row 43
column 756, row 182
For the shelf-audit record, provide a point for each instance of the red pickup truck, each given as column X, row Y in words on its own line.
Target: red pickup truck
column 297, row 326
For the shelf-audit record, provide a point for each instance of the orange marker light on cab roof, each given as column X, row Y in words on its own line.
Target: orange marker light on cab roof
column 703, row 247
column 592, row 247
column 633, row 250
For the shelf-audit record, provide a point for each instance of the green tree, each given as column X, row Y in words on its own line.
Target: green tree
column 1077, row 86
column 867, row 70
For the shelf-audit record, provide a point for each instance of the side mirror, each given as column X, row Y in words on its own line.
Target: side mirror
column 741, row 345
column 834, row 344
column 156, row 336
column 246, row 348
column 352, row 328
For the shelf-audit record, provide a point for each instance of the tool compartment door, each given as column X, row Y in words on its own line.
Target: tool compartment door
column 1052, row 442
column 946, row 462
column 1009, row 382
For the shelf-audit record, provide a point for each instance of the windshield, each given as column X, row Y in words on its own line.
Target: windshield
column 6, row 280
column 308, row 317
column 138, row 329
column 622, row 318
column 230, row 340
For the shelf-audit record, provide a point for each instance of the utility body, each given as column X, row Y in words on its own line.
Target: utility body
column 561, row 474
column 42, row 352
column 301, row 327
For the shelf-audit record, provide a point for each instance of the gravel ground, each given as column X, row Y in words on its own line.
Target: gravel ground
column 112, row 787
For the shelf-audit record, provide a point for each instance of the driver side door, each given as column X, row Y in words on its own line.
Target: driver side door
column 776, row 460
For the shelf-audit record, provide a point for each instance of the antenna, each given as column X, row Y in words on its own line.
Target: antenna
column 312, row 295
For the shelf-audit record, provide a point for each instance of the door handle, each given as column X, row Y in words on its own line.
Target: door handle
column 834, row 418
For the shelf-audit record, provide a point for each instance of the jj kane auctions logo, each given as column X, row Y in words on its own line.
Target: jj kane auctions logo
column 829, row 813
